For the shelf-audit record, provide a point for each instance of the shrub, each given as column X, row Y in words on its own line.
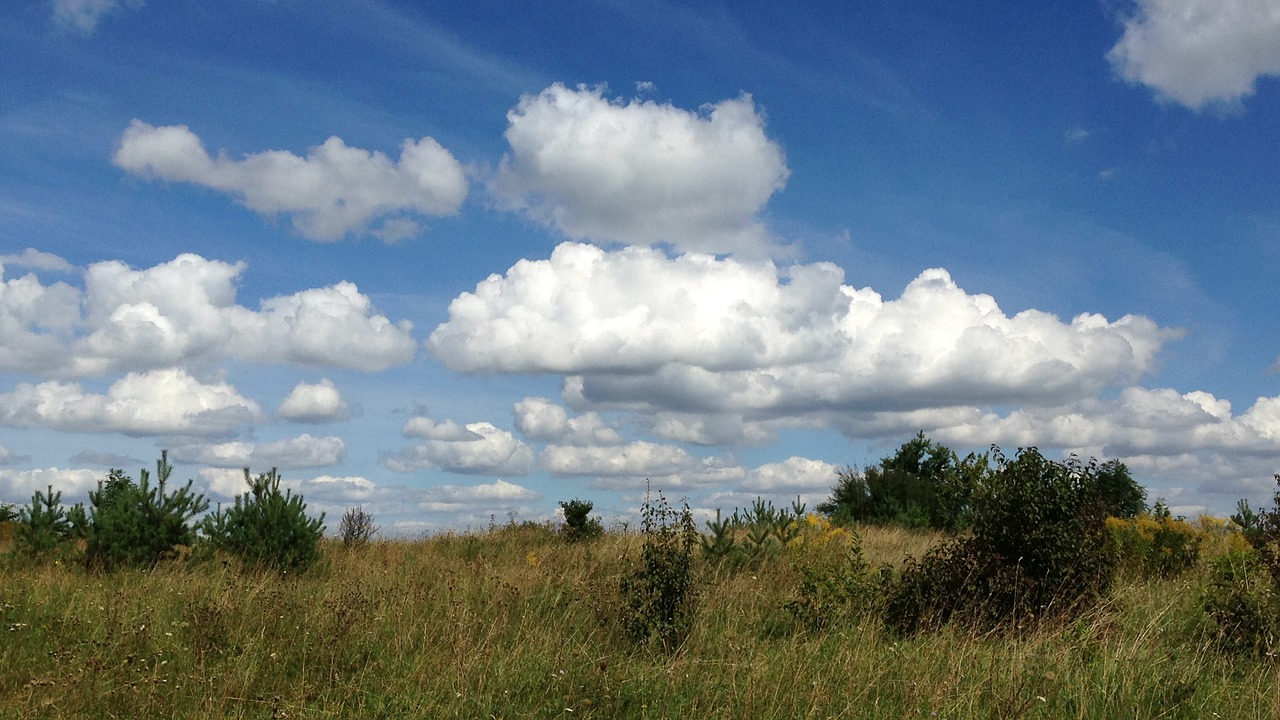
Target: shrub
column 1039, row 548
column 657, row 596
column 130, row 524
column 356, row 527
column 267, row 528
column 8, row 512
column 43, row 525
column 578, row 525
column 1155, row 546
column 1241, row 600
column 1242, row 595
column 833, row 592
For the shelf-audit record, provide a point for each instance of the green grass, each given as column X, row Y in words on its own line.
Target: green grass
column 515, row 623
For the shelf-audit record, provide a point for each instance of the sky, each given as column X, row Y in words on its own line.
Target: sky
column 457, row 262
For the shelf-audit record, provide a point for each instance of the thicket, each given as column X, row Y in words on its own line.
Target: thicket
column 1243, row 597
column 266, row 528
column 1039, row 547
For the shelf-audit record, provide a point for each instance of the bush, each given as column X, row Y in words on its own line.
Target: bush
column 1040, row 548
column 356, row 527
column 833, row 592
column 578, row 525
column 657, row 596
column 753, row 535
column 267, row 528
column 1241, row 600
column 1242, row 595
column 8, row 512
column 43, row 525
column 1155, row 546
column 137, row 525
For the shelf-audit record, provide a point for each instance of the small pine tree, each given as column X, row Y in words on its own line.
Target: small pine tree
column 136, row 524
column 43, row 525
column 267, row 528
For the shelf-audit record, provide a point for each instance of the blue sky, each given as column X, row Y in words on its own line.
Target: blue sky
column 458, row 261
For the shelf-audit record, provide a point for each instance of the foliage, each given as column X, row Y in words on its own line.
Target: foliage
column 8, row 512
column 137, row 525
column 924, row 484
column 751, row 535
column 267, row 528
column 1241, row 599
column 1039, row 548
column 43, row 525
column 356, row 527
column 658, row 595
column 1122, row 496
column 833, row 592
column 578, row 525
column 1156, row 545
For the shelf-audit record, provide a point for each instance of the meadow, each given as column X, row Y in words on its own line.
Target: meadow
column 515, row 622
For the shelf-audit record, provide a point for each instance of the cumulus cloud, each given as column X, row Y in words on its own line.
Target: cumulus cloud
column 84, row 15
column 791, row 475
column 1200, row 52
column 478, row 448
column 303, row 451
column 640, row 172
column 37, row 260
column 157, row 402
column 475, row 499
column 17, row 486
column 314, row 403
column 541, row 419
column 334, row 191
column 35, row 322
column 632, row 459
column 184, row 312
column 637, row 330
column 106, row 459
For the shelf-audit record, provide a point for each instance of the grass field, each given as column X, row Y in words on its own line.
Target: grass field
column 515, row 623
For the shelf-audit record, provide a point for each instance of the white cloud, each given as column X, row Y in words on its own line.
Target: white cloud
column 318, row 403
column 475, row 501
column 8, row 456
column 303, row 451
column 84, row 15
column 158, row 402
column 184, row 312
column 17, row 486
column 35, row 320
column 790, row 475
column 637, row 458
column 477, row 448
column 37, row 260
column 541, row 419
column 334, row 191
column 697, row 334
column 1200, row 52
column 640, row 172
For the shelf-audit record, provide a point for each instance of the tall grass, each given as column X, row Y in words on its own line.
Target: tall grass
column 516, row 623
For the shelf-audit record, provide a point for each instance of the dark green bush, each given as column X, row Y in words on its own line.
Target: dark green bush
column 43, row 526
column 657, row 596
column 578, row 523
column 136, row 524
column 1241, row 600
column 751, row 536
column 1040, row 548
column 923, row 484
column 267, row 528
column 357, row 527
